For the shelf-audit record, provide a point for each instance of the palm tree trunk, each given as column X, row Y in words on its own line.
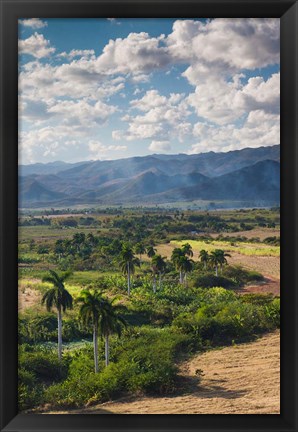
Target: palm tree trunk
column 180, row 277
column 154, row 283
column 59, row 334
column 95, row 344
column 107, row 350
column 128, row 279
column 185, row 279
column 216, row 270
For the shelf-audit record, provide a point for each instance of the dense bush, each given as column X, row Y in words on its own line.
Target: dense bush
column 30, row 393
column 42, row 364
column 210, row 281
column 224, row 318
column 43, row 328
column 241, row 276
column 142, row 361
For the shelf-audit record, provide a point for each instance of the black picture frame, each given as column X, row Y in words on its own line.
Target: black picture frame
column 11, row 11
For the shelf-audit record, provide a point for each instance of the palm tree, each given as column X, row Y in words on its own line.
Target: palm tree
column 177, row 254
column 204, row 257
column 91, row 239
column 77, row 240
column 140, row 249
column 159, row 265
column 59, row 298
column 215, row 259
column 90, row 312
column 109, row 323
column 128, row 262
column 185, row 266
column 151, row 251
column 222, row 257
column 187, row 249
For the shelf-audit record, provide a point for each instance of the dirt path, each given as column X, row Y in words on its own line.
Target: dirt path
column 242, row 379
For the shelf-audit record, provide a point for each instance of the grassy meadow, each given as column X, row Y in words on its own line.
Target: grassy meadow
column 112, row 301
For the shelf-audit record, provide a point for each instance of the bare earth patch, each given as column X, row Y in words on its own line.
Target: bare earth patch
column 266, row 265
column 28, row 297
column 268, row 286
column 241, row 379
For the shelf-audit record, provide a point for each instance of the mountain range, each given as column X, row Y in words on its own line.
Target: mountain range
column 249, row 174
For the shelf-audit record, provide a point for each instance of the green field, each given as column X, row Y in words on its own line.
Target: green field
column 244, row 248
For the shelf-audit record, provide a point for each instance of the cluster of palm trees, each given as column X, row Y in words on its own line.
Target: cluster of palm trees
column 95, row 311
column 129, row 262
column 99, row 312
column 216, row 258
column 181, row 258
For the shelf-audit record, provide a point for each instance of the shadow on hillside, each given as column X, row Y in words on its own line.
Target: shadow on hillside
column 189, row 385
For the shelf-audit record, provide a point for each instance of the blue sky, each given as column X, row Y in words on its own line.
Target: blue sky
column 112, row 88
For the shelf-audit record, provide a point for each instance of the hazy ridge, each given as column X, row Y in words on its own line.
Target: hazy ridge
column 252, row 174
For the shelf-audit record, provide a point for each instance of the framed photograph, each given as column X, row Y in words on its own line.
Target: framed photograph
column 148, row 215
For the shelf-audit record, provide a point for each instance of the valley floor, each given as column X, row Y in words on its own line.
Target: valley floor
column 241, row 379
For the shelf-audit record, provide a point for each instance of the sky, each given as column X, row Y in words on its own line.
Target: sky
column 106, row 88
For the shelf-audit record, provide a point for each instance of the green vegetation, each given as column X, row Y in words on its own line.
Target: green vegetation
column 138, row 291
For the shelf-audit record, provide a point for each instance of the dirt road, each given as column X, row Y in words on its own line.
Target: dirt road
column 242, row 379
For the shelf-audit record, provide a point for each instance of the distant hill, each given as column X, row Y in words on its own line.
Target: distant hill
column 48, row 168
column 248, row 174
column 31, row 191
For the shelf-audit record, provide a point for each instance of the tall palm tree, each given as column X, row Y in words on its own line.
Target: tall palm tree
column 140, row 249
column 128, row 262
column 150, row 251
column 110, row 323
column 90, row 312
column 177, row 254
column 204, row 257
column 159, row 265
column 222, row 260
column 59, row 298
column 215, row 259
column 187, row 249
column 186, row 266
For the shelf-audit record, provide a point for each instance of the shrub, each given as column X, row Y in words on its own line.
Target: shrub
column 43, row 365
column 272, row 311
column 43, row 328
column 241, row 276
column 257, row 299
column 221, row 319
column 210, row 281
column 143, row 361
column 30, row 393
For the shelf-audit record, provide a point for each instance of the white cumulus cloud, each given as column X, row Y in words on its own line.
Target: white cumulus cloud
column 160, row 146
column 34, row 23
column 36, row 45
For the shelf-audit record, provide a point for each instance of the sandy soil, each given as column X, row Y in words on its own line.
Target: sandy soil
column 266, row 265
column 268, row 286
column 28, row 297
column 242, row 379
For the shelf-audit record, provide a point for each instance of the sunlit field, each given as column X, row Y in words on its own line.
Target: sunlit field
column 244, row 248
